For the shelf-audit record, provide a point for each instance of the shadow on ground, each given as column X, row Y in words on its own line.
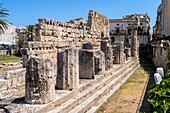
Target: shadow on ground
column 19, row 100
column 150, row 68
column 3, row 109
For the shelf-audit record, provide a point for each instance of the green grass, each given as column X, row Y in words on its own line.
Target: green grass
column 6, row 59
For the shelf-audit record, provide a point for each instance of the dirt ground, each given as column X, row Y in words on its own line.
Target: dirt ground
column 130, row 96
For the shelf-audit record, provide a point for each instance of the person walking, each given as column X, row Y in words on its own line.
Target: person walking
column 9, row 48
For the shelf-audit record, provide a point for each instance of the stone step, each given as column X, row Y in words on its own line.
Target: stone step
column 68, row 105
column 95, row 86
column 83, row 87
column 96, row 106
column 109, row 88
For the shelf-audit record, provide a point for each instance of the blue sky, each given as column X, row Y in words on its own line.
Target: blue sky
column 24, row 12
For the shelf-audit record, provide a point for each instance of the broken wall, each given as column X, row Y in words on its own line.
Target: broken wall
column 99, row 23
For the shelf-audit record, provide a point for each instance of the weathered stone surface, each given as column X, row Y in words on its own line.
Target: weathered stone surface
column 75, row 49
column 39, row 84
column 13, row 78
column 99, row 58
column 3, row 84
column 99, row 23
column 51, row 36
column 128, row 53
column 91, row 63
column 116, row 53
column 135, row 39
column 86, row 64
column 107, row 49
column 160, row 53
column 119, row 53
column 68, row 69
column 135, row 44
column 122, row 53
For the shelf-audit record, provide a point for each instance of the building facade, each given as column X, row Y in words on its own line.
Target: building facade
column 10, row 35
column 161, row 35
column 166, row 17
column 162, row 26
column 120, row 29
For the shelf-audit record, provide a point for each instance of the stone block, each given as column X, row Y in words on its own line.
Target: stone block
column 19, row 79
column 3, row 84
column 99, row 60
column 116, row 53
column 107, row 50
column 135, row 44
column 128, row 53
column 122, row 53
column 86, row 64
column 14, row 80
column 67, row 69
column 41, row 21
column 9, row 79
column 39, row 84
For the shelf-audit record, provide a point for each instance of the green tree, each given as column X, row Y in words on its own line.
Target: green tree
column 30, row 32
column 159, row 95
column 3, row 24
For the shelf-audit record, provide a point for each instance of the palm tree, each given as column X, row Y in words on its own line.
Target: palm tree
column 30, row 32
column 3, row 24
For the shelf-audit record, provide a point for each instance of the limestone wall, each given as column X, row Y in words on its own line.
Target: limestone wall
column 160, row 56
column 54, row 31
column 99, row 23
column 97, row 27
column 51, row 36
column 3, row 52
column 12, row 79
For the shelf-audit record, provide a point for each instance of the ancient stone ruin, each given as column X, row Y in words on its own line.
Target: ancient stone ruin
column 70, row 66
column 39, row 81
column 62, row 55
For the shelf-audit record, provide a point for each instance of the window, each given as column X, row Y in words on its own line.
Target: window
column 129, row 32
column 117, row 30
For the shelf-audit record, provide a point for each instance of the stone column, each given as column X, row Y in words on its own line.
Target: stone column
column 86, row 64
column 128, row 53
column 116, row 53
column 68, row 69
column 135, row 43
column 107, row 50
column 99, row 63
column 39, row 81
column 122, row 53
column 25, row 52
